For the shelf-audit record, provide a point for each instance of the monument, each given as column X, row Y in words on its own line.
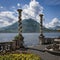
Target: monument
column 41, row 37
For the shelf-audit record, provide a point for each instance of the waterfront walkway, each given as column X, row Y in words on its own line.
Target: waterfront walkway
column 43, row 55
column 39, row 50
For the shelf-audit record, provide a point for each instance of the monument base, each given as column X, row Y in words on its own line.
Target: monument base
column 42, row 39
column 19, row 41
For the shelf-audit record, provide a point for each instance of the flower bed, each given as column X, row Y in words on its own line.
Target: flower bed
column 20, row 57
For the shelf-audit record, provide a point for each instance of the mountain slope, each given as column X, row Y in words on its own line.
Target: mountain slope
column 29, row 26
column 57, row 28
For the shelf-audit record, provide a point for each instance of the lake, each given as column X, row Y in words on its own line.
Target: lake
column 29, row 38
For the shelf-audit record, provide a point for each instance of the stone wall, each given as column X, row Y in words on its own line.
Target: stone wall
column 5, row 46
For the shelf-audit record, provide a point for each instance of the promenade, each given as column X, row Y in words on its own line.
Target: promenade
column 43, row 55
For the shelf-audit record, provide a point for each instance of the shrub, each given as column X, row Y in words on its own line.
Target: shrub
column 20, row 57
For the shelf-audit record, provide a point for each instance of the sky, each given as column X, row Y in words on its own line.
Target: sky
column 31, row 9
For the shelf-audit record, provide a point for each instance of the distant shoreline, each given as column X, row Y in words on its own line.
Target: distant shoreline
column 34, row 32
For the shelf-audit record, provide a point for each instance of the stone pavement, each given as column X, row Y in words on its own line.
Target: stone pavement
column 43, row 55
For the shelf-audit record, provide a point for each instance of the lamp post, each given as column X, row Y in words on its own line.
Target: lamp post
column 41, row 37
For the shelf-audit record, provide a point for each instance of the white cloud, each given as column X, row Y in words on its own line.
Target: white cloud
column 18, row 4
column 32, row 10
column 4, row 23
column 55, row 22
column 7, row 18
column 1, row 7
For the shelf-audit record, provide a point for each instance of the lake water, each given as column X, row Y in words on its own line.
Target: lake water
column 29, row 38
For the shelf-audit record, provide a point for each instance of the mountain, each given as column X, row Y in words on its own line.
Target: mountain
column 57, row 27
column 29, row 26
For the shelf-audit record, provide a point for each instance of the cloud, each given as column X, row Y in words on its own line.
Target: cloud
column 13, row 7
column 7, row 18
column 52, row 2
column 1, row 7
column 32, row 10
column 55, row 22
column 18, row 4
column 4, row 23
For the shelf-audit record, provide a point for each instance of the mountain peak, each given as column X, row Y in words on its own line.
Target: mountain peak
column 29, row 25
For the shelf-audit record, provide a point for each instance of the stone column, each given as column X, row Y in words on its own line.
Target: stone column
column 1, row 48
column 8, row 47
column 19, row 21
column 20, row 28
column 41, row 37
column 5, row 47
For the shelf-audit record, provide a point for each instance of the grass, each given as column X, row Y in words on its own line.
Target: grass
column 20, row 57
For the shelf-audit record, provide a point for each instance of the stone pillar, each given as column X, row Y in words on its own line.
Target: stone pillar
column 20, row 29
column 8, row 47
column 19, row 21
column 1, row 48
column 5, row 47
column 41, row 37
